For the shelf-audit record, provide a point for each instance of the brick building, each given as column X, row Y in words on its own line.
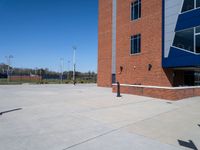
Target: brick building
column 152, row 47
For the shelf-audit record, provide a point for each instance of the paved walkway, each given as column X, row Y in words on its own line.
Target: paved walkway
column 85, row 117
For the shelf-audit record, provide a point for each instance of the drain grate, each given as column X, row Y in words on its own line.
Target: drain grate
column 4, row 112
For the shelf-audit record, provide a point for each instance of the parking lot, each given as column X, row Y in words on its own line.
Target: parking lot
column 87, row 117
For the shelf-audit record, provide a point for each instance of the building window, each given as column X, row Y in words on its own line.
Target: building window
column 136, row 10
column 198, row 29
column 198, row 3
column 197, row 43
column 185, row 39
column 190, row 4
column 135, row 44
column 197, row 39
column 188, row 39
column 197, row 78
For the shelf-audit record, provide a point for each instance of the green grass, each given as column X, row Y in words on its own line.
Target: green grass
column 5, row 82
column 46, row 81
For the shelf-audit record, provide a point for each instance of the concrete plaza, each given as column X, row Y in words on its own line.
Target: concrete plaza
column 86, row 117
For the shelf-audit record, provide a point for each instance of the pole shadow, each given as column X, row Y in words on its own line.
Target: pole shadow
column 190, row 144
column 4, row 112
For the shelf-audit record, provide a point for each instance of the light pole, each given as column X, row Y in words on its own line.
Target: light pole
column 40, row 75
column 74, row 65
column 68, row 70
column 8, row 59
column 61, row 69
column 36, row 71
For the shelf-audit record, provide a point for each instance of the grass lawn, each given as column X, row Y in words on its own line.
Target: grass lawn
column 4, row 81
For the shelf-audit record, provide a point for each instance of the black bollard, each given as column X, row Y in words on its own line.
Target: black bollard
column 74, row 82
column 118, row 90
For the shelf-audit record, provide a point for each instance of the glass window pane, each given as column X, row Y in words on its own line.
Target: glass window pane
column 197, row 78
column 139, row 9
column 185, row 40
column 198, row 3
column 132, row 11
column 139, row 49
column 197, row 43
column 132, row 45
column 136, row 11
column 188, row 5
column 198, row 29
column 135, row 45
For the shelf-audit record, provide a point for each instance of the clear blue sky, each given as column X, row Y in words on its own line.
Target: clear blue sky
column 40, row 32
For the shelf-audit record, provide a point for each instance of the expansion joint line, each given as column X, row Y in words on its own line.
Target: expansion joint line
column 111, row 131
column 90, row 139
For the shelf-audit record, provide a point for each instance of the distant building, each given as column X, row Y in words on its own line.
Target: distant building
column 152, row 47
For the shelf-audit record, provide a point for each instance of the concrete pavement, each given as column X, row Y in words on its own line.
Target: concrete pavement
column 85, row 117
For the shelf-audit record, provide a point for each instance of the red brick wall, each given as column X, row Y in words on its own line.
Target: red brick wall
column 105, row 43
column 135, row 67
column 197, row 92
column 169, row 94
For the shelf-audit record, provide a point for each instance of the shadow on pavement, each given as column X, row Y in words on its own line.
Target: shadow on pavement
column 190, row 144
column 4, row 112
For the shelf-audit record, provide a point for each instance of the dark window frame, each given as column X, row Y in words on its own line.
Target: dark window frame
column 136, row 6
column 135, row 44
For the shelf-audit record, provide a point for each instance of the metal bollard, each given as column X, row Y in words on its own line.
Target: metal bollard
column 118, row 90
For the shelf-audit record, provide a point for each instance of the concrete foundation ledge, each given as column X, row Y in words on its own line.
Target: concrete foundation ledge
column 168, row 93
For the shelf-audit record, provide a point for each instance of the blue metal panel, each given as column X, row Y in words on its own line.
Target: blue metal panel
column 179, row 58
column 188, row 20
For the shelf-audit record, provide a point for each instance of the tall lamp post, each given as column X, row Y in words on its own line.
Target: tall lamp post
column 8, row 59
column 74, row 65
column 68, row 70
column 61, row 69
